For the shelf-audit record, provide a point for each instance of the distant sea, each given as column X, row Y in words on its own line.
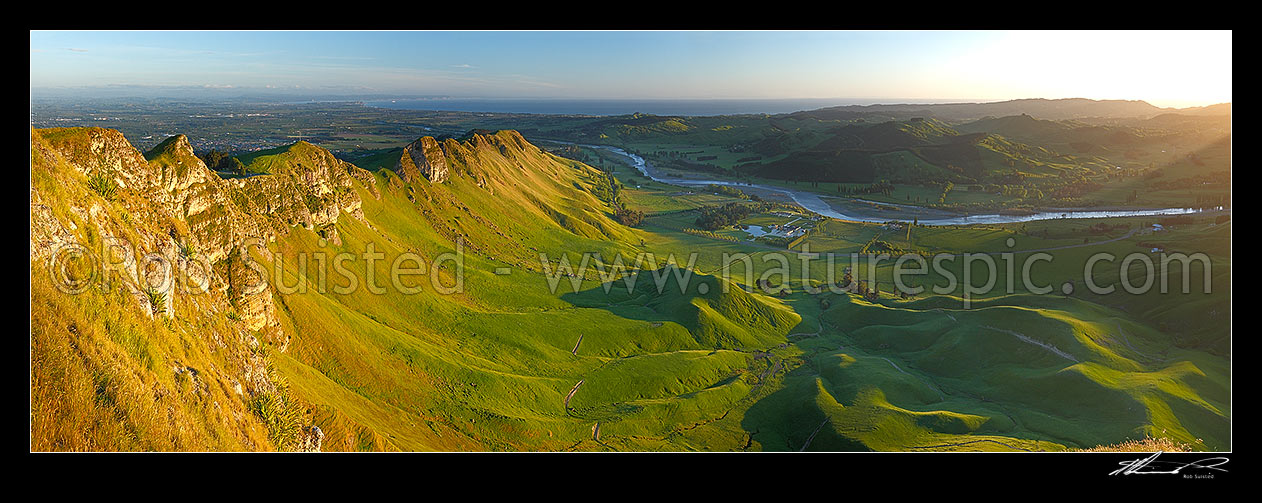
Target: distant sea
column 623, row 107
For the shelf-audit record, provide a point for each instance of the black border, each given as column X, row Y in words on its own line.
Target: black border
column 787, row 474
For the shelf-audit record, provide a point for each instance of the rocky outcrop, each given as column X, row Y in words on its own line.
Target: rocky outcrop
column 310, row 440
column 437, row 161
column 92, row 150
column 312, row 191
column 423, row 158
column 47, row 234
column 177, row 209
column 184, row 244
column 198, row 196
column 365, row 177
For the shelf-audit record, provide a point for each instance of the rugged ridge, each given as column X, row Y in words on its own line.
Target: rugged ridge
column 423, row 158
column 222, row 218
column 181, row 240
column 433, row 160
column 223, row 358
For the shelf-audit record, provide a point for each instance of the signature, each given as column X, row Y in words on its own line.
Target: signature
column 1150, row 465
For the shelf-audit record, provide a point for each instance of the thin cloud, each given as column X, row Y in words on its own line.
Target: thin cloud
column 347, row 58
column 72, row 49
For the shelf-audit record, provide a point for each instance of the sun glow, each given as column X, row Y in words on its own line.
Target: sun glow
column 1170, row 69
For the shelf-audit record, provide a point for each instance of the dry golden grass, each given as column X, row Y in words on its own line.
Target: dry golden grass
column 102, row 380
column 1148, row 444
column 107, row 376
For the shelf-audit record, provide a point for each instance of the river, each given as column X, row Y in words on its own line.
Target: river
column 812, row 201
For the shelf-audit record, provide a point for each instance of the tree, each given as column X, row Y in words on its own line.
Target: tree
column 223, row 163
column 716, row 217
column 214, row 158
column 629, row 218
column 875, row 292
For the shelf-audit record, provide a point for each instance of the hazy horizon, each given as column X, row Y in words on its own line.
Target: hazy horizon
column 1166, row 69
column 699, row 107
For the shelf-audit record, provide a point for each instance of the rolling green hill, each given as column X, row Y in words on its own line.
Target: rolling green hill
column 927, row 151
column 1054, row 109
column 501, row 340
column 1072, row 152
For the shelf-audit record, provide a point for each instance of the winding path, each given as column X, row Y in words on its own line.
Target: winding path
column 941, row 396
column 1043, row 345
column 968, row 443
column 571, row 395
column 1126, row 340
column 812, row 437
column 810, row 334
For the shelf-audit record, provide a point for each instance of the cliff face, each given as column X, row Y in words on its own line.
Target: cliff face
column 178, row 242
column 311, row 190
column 188, row 213
column 432, row 160
column 202, row 346
column 437, row 161
column 423, row 158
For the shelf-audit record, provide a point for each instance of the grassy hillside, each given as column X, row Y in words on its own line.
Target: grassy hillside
column 534, row 351
column 927, row 151
column 116, row 367
column 1020, row 154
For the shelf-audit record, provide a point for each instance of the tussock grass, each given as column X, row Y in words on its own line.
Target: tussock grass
column 102, row 380
column 157, row 300
column 102, row 182
column 1147, row 444
column 282, row 417
column 105, row 376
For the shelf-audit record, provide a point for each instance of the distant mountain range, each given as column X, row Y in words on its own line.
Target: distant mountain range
column 1071, row 108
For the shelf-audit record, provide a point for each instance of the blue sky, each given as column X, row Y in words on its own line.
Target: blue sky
column 1167, row 69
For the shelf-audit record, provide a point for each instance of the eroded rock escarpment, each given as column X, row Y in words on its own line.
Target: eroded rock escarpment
column 423, row 158
column 185, row 212
column 181, row 242
column 434, row 161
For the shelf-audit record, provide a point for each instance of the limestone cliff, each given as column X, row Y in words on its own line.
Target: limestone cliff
column 178, row 242
column 423, row 158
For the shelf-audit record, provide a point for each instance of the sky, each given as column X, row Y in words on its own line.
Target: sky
column 1171, row 69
